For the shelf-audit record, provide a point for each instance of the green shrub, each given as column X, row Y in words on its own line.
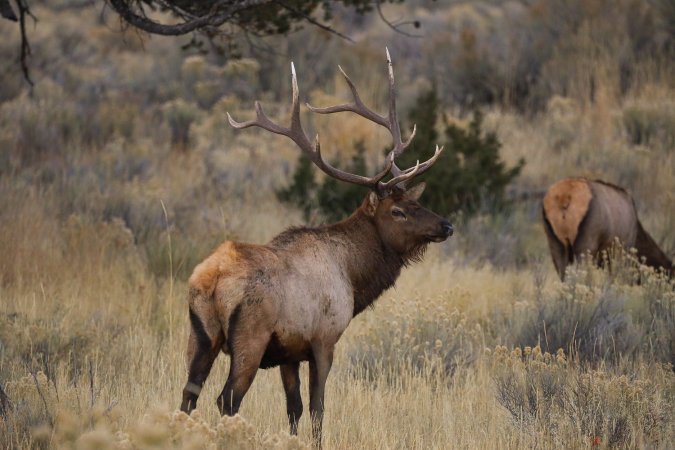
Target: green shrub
column 469, row 175
column 337, row 200
column 301, row 192
column 334, row 199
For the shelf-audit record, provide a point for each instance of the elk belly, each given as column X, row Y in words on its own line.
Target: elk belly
column 285, row 348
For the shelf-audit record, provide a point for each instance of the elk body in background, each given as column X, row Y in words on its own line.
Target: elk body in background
column 583, row 216
column 290, row 300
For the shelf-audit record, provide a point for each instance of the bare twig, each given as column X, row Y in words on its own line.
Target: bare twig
column 92, row 394
column 24, row 11
column 394, row 26
column 48, row 373
column 44, row 400
column 309, row 19
column 210, row 20
column 5, row 402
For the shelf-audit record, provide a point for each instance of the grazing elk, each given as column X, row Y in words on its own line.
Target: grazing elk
column 290, row 300
column 582, row 216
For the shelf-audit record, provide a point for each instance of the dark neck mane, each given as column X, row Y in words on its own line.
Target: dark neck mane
column 371, row 265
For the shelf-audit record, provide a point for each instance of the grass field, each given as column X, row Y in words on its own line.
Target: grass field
column 118, row 174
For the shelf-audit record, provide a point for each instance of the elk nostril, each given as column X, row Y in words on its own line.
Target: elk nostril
column 447, row 228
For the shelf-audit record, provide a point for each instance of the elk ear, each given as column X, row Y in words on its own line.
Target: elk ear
column 371, row 203
column 415, row 193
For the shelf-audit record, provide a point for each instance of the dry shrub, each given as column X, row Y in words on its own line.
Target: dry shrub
column 649, row 120
column 180, row 115
column 178, row 430
column 46, row 416
column 206, row 82
column 431, row 341
column 562, row 121
column 657, row 314
column 38, row 127
column 507, row 239
column 528, row 382
column 548, row 394
column 52, row 419
column 601, row 316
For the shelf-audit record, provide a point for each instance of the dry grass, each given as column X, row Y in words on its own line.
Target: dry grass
column 93, row 348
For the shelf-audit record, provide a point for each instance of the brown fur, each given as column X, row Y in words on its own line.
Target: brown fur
column 587, row 217
column 291, row 300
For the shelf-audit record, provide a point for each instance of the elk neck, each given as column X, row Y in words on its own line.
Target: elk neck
column 371, row 265
column 368, row 262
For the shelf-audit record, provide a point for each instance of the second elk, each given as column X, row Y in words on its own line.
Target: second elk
column 587, row 217
column 290, row 300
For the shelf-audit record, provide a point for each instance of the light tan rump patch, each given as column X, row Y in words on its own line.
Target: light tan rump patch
column 565, row 205
column 205, row 276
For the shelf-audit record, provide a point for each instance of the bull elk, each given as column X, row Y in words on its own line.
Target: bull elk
column 290, row 301
column 583, row 216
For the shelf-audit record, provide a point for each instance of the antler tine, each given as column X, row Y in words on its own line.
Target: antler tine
column 357, row 106
column 394, row 126
column 295, row 132
column 390, row 122
column 298, row 135
column 395, row 170
column 401, row 177
column 371, row 182
column 261, row 121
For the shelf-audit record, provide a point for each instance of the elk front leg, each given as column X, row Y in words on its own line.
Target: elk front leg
column 290, row 377
column 319, row 367
column 202, row 351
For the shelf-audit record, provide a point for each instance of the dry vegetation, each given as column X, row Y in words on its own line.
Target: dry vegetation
column 118, row 173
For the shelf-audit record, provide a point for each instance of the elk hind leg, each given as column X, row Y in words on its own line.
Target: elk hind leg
column 560, row 251
column 290, row 377
column 247, row 343
column 588, row 247
column 203, row 346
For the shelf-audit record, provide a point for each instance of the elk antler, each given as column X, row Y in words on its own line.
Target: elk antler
column 313, row 151
column 391, row 123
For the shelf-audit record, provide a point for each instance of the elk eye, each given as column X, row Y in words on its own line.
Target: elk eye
column 398, row 213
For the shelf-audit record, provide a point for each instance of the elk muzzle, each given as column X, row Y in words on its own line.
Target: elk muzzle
column 444, row 231
column 447, row 228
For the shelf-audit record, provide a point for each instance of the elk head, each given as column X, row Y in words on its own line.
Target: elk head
column 403, row 224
